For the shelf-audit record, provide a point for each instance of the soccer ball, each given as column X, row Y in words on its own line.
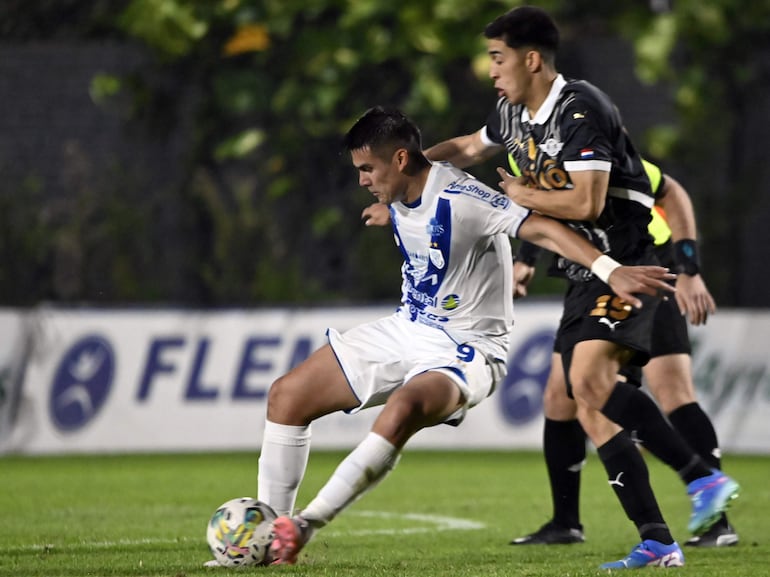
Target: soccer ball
column 240, row 532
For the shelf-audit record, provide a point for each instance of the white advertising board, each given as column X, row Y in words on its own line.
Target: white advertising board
column 98, row 381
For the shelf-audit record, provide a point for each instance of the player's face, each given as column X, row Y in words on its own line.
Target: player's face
column 380, row 174
column 509, row 71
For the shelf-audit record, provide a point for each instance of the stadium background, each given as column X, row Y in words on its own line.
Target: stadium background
column 181, row 156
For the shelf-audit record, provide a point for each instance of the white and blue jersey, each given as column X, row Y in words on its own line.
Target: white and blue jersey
column 457, row 256
column 456, row 307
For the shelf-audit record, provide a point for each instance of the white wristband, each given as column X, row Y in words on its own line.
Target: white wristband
column 603, row 266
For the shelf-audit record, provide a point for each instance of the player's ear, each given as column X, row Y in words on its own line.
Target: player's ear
column 401, row 157
column 534, row 60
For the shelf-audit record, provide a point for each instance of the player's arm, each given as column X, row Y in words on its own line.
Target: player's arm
column 523, row 274
column 524, row 267
column 625, row 281
column 584, row 201
column 692, row 295
column 463, row 151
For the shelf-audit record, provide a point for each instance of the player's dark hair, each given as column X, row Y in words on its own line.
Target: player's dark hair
column 526, row 26
column 384, row 130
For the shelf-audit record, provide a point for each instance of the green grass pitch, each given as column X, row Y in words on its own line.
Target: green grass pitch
column 439, row 513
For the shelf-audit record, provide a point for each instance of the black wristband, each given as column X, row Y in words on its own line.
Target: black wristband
column 528, row 253
column 686, row 257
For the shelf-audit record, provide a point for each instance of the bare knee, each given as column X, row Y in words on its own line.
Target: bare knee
column 284, row 402
column 591, row 387
column 671, row 397
column 556, row 404
column 314, row 388
column 598, row 428
column 401, row 417
column 669, row 379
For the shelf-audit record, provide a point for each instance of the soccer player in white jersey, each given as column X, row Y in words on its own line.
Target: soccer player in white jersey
column 445, row 347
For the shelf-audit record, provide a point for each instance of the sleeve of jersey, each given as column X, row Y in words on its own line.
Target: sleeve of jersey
column 586, row 147
column 493, row 214
column 490, row 133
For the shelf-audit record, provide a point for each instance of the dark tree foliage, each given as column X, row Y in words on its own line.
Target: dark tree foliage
column 227, row 185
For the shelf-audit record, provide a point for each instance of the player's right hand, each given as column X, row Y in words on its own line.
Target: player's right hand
column 376, row 215
column 627, row 281
column 694, row 299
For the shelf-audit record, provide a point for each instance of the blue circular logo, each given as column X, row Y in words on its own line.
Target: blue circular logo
column 81, row 383
column 521, row 396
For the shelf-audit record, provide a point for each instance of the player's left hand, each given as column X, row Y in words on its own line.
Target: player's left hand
column 522, row 275
column 514, row 187
column 626, row 281
column 694, row 299
column 376, row 215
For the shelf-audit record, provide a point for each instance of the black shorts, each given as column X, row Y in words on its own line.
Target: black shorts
column 669, row 337
column 669, row 331
column 593, row 312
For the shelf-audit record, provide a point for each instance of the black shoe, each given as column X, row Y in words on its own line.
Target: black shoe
column 551, row 534
column 720, row 535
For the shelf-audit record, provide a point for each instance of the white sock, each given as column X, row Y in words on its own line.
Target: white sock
column 282, row 463
column 361, row 470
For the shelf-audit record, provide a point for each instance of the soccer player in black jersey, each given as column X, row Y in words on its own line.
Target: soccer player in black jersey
column 668, row 374
column 579, row 165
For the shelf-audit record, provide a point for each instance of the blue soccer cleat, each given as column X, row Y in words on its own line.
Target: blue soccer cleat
column 649, row 553
column 710, row 497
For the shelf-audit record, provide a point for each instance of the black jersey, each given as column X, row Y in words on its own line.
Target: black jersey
column 579, row 128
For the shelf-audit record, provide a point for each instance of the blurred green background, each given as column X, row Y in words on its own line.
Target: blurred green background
column 182, row 152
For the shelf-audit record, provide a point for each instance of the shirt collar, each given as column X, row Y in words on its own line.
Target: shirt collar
column 548, row 104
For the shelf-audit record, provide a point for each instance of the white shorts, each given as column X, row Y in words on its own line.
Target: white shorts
column 379, row 357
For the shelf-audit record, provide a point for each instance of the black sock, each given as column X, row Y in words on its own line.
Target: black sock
column 635, row 411
column 696, row 428
column 564, row 447
column 630, row 479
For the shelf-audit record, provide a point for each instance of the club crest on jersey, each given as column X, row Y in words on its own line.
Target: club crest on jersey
column 434, row 228
column 450, row 302
column 551, row 147
column 436, row 257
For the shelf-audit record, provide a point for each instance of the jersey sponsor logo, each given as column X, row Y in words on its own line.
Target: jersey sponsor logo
column 551, row 147
column 538, row 167
column 419, row 297
column 434, row 228
column 81, row 383
column 426, row 318
column 416, row 257
column 500, row 201
column 521, row 394
column 487, row 195
column 450, row 302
